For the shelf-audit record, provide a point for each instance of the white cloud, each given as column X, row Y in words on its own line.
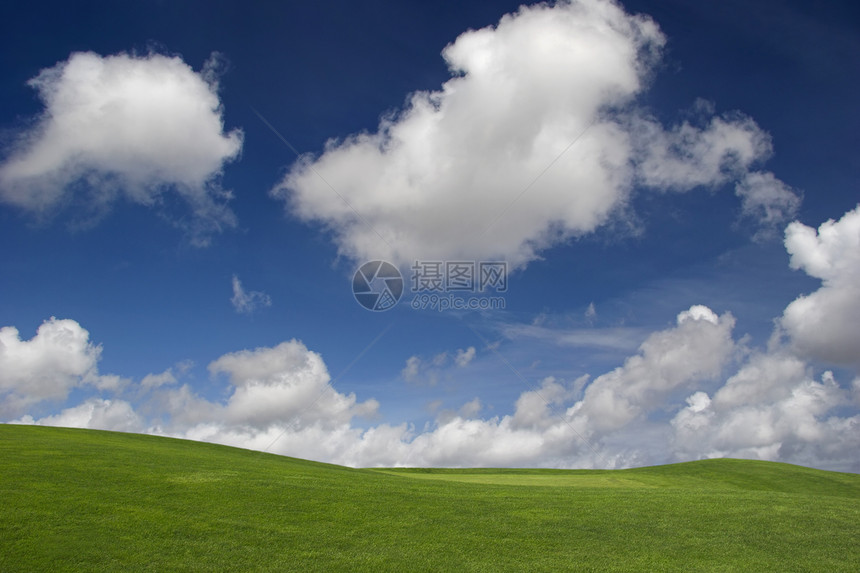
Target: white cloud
column 771, row 411
column 698, row 312
column 166, row 378
column 117, row 415
column 656, row 408
column 689, row 391
column 826, row 323
column 614, row 338
column 439, row 360
column 767, row 200
column 247, row 302
column 590, row 312
column 764, row 378
column 471, row 409
column 287, row 382
column 430, row 372
column 127, row 126
column 688, row 156
column 695, row 350
column 412, row 368
column 534, row 408
column 47, row 367
column 464, row 357
column 539, row 112
column 279, row 397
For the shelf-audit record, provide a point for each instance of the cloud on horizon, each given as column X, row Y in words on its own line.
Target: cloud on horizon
column 136, row 127
column 46, row 368
column 689, row 391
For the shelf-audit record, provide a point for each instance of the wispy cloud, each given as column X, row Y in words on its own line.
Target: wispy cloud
column 247, row 302
column 768, row 201
column 430, row 371
column 590, row 312
column 464, row 357
column 612, row 338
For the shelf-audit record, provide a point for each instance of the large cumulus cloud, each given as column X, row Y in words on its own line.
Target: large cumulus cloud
column 536, row 138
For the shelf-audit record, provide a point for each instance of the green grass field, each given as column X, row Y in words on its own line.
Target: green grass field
column 86, row 500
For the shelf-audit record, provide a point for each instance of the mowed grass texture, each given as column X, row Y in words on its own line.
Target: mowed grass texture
column 82, row 500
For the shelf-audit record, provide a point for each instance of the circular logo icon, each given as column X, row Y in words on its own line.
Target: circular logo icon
column 377, row 285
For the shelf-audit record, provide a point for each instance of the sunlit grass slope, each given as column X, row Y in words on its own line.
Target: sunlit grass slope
column 102, row 501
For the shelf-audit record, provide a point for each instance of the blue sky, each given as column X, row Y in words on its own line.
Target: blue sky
column 655, row 175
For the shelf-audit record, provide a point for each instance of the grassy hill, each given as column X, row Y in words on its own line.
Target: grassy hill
column 89, row 500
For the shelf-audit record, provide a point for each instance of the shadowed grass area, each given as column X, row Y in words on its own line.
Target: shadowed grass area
column 90, row 500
